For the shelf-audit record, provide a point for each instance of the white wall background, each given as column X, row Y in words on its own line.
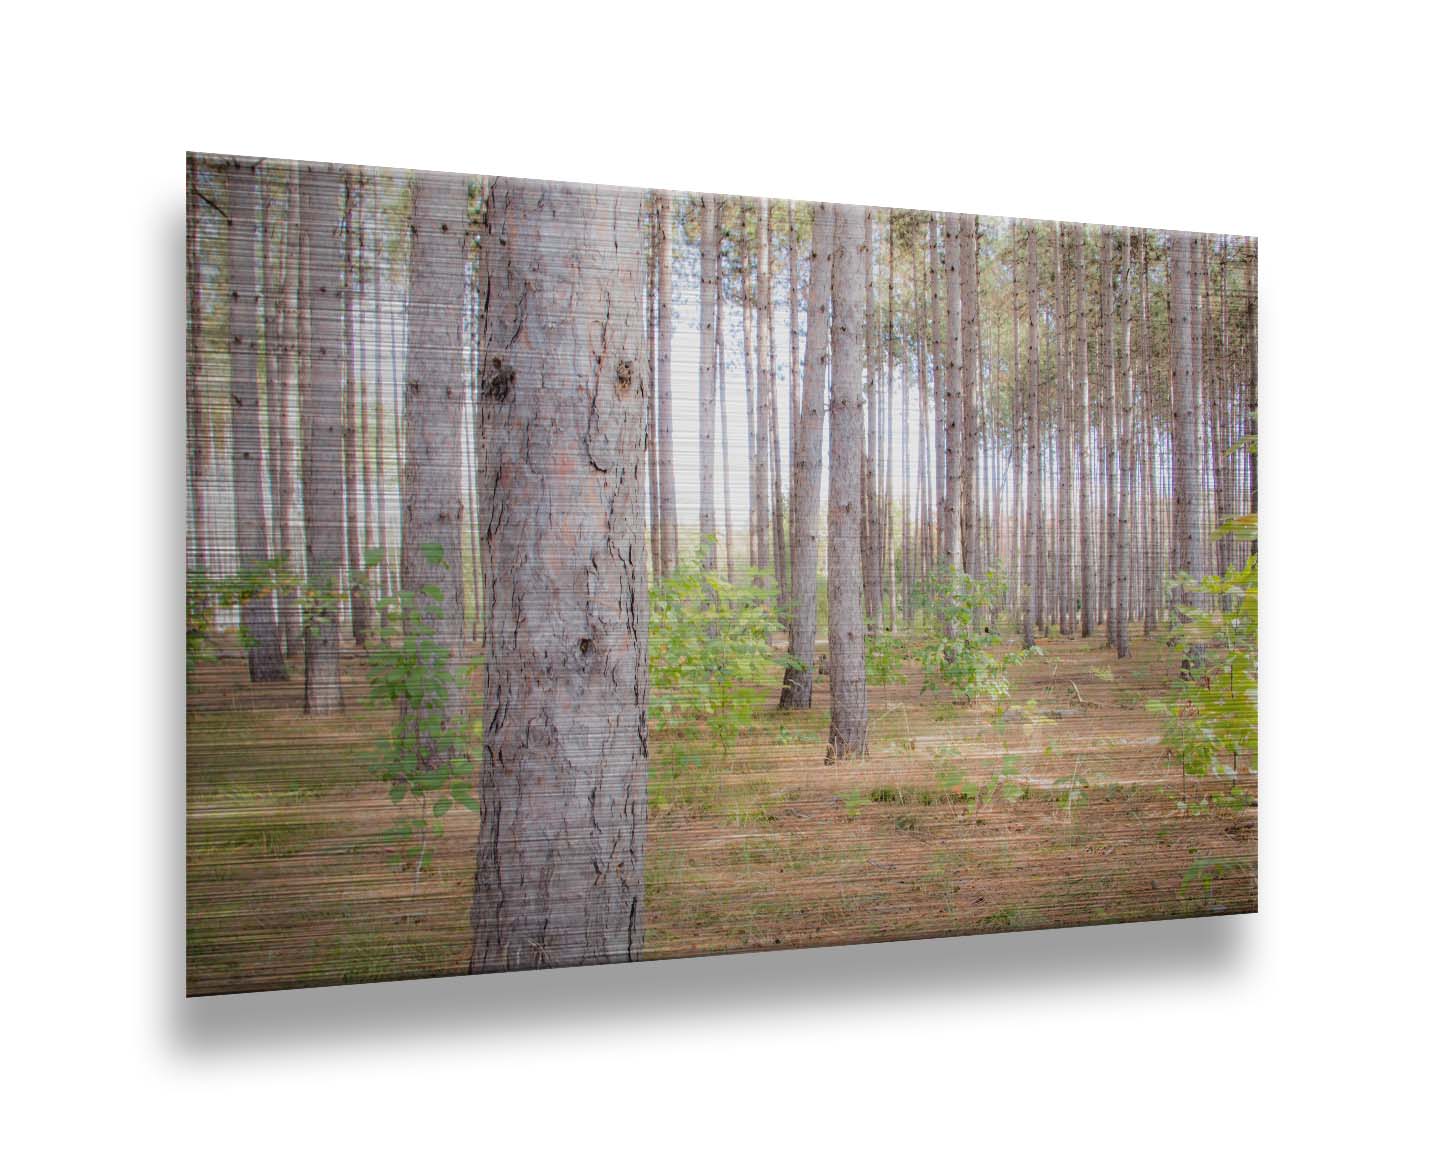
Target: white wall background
column 1308, row 1024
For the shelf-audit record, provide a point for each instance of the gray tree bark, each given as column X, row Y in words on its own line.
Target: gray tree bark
column 708, row 268
column 197, row 432
column 848, row 705
column 354, row 546
column 956, row 487
column 1082, row 433
column 1126, row 462
column 257, row 613
column 1034, row 570
column 279, row 368
column 432, row 556
column 670, row 533
column 798, row 686
column 322, row 364
column 720, row 391
column 560, row 865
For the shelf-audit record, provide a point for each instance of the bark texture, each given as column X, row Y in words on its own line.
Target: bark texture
column 257, row 613
column 847, row 622
column 322, row 470
column 805, row 515
column 559, row 875
column 431, row 557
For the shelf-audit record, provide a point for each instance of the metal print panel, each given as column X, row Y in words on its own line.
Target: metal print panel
column 581, row 574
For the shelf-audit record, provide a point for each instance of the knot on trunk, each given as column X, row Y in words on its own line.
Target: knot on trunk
column 499, row 382
column 624, row 376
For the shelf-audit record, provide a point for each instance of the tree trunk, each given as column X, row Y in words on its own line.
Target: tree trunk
column 670, row 533
column 970, row 366
column 367, row 469
column 1127, row 464
column 708, row 272
column 955, row 485
column 279, row 365
column 560, row 866
column 1035, row 572
column 767, row 345
column 764, row 541
column 720, row 390
column 805, row 497
column 847, row 625
column 1182, row 319
column 359, row 602
column 257, row 613
column 322, row 362
column 381, row 510
column 197, row 432
column 1082, row 367
column 432, row 553
column 652, row 437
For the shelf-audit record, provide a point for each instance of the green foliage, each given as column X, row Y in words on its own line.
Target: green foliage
column 424, row 760
column 205, row 595
column 1206, row 870
column 710, row 654
column 885, row 658
column 955, row 648
column 1211, row 724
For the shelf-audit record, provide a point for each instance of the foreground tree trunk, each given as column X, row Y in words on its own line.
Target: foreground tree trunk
column 847, row 622
column 257, row 613
column 560, row 867
column 431, row 557
column 805, row 498
column 322, row 465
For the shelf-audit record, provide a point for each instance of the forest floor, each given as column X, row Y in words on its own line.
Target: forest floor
column 1060, row 807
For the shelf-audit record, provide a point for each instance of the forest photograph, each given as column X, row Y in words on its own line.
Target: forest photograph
column 578, row 574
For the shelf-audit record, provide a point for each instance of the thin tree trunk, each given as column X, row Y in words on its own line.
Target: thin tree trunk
column 382, row 513
column 197, row 434
column 767, row 342
column 279, row 364
column 970, row 366
column 367, row 472
column 955, row 486
column 432, row 557
column 759, row 522
column 257, row 612
column 1127, row 463
column 652, row 425
column 560, row 866
column 764, row 541
column 798, row 686
column 359, row 602
column 1032, row 613
column 322, row 363
column 848, row 706
column 670, row 534
column 720, row 388
column 708, row 263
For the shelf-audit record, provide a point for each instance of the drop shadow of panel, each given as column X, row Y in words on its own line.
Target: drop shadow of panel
column 955, row 971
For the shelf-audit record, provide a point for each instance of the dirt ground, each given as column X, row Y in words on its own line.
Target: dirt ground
column 1060, row 807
